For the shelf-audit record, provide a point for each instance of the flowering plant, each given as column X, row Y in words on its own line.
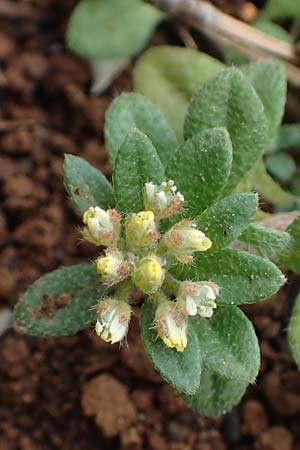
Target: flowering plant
column 165, row 226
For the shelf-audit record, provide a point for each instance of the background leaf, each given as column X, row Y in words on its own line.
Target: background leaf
column 60, row 303
column 137, row 162
column 133, row 110
column 216, row 395
column 269, row 81
column 111, row 29
column 294, row 332
column 276, row 9
column 86, row 185
column 170, row 76
column 181, row 370
column 230, row 101
column 291, row 258
column 281, row 165
column 200, row 168
column 242, row 277
column 224, row 221
column 229, row 344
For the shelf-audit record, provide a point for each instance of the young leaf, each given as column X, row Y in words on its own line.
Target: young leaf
column 230, row 101
column 111, row 29
column 216, row 395
column 269, row 81
column 242, row 277
column 135, row 111
column 60, row 303
column 229, row 344
column 224, row 221
column 200, row 168
column 137, row 162
column 86, row 185
column 180, row 369
column 170, row 76
column 291, row 257
column 294, row 332
column 267, row 242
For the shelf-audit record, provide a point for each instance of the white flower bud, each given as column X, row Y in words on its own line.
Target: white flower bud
column 113, row 320
column 141, row 229
column 171, row 324
column 183, row 239
column 102, row 227
column 163, row 200
column 112, row 267
column 199, row 297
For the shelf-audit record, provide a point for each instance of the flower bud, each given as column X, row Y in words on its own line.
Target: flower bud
column 163, row 200
column 149, row 274
column 171, row 324
column 102, row 227
column 183, row 239
column 199, row 297
column 113, row 320
column 112, row 267
column 141, row 229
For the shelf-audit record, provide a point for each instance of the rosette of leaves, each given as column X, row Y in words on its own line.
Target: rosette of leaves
column 225, row 132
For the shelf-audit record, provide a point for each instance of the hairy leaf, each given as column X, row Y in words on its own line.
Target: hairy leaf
column 294, row 332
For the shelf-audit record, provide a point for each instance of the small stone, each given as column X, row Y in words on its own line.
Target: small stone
column 255, row 418
column 107, row 399
column 275, row 438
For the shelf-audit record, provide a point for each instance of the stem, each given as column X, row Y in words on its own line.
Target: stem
column 123, row 290
column 171, row 284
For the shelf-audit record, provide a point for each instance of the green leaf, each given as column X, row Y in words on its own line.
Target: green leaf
column 200, row 168
column 135, row 111
column 137, row 162
column 269, row 81
column 230, row 101
column 267, row 242
column 86, row 185
column 276, row 9
column 224, row 221
column 180, row 369
column 294, row 332
column 273, row 29
column 171, row 76
column 216, row 395
column 242, row 277
column 281, row 165
column 229, row 344
column 60, row 303
column 262, row 182
column 291, row 257
column 111, row 29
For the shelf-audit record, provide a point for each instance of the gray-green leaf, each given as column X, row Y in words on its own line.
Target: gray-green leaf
column 216, row 395
column 276, row 9
column 242, row 277
column 181, row 370
column 86, row 185
column 269, row 81
column 132, row 110
column 294, row 332
column 224, row 221
column 111, row 28
column 60, row 303
column 200, row 168
column 230, row 101
column 137, row 162
column 170, row 76
column 229, row 344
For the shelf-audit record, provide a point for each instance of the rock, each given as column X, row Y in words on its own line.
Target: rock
column 275, row 438
column 107, row 399
column 254, row 417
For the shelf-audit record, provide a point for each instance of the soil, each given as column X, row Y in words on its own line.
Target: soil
column 77, row 393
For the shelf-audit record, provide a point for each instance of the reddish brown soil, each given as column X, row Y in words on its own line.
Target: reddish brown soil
column 78, row 393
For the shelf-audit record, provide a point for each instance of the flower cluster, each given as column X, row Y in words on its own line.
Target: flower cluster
column 137, row 254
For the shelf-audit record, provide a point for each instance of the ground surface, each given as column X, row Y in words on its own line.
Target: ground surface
column 77, row 393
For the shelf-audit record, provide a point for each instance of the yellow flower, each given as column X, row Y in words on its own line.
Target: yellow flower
column 112, row 267
column 171, row 324
column 183, row 239
column 141, row 229
column 149, row 274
